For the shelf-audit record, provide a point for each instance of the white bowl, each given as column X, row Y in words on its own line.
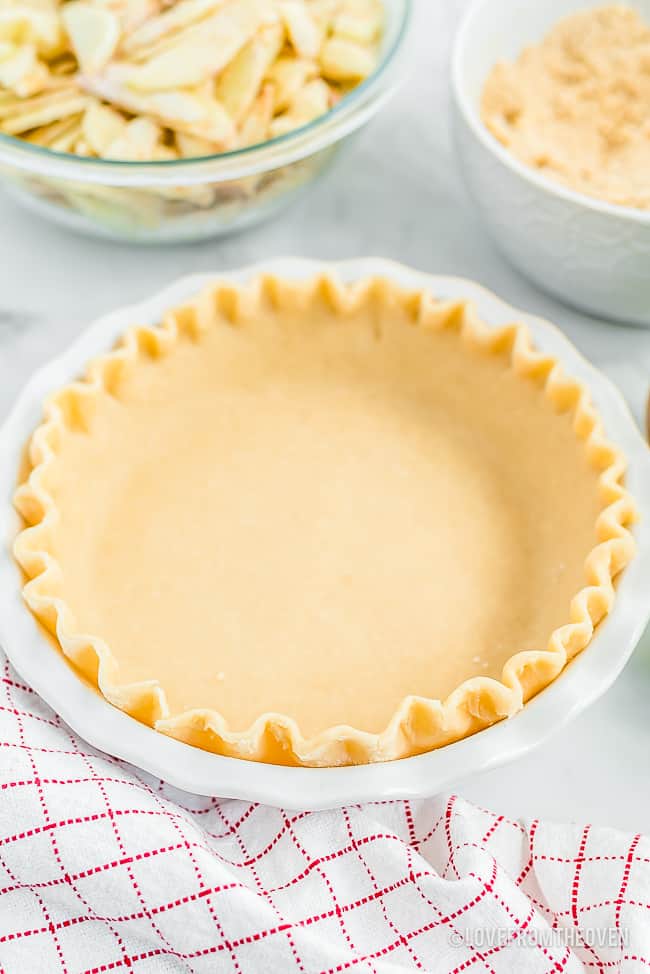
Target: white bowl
column 307, row 788
column 591, row 254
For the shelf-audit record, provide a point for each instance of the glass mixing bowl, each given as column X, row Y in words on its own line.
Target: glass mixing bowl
column 191, row 199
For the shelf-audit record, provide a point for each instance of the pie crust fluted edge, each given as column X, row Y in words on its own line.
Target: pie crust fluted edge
column 419, row 724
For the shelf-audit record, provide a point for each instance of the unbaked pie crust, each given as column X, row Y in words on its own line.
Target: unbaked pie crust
column 322, row 524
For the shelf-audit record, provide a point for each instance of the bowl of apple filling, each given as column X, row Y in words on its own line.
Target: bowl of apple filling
column 153, row 122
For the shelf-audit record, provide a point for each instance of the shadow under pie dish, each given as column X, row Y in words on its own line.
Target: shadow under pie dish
column 310, row 523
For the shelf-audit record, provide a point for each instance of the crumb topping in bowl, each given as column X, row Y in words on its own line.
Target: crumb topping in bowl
column 576, row 106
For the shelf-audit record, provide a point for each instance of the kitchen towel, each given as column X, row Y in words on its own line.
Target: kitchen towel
column 103, row 868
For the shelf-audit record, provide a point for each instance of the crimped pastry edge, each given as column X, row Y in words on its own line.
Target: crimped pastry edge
column 419, row 724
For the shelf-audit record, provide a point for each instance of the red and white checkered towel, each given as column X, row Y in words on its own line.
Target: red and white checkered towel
column 105, row 869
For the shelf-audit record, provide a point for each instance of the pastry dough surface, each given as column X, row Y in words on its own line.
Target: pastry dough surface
column 319, row 515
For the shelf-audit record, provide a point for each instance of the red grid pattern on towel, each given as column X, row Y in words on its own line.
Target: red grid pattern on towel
column 103, row 868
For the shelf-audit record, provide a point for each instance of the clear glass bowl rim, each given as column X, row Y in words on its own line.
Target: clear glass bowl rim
column 350, row 113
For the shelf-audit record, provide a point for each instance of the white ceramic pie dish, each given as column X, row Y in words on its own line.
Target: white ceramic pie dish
column 589, row 253
column 201, row 772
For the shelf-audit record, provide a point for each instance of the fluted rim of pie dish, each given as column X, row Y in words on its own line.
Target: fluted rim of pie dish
column 473, row 120
column 419, row 724
column 353, row 111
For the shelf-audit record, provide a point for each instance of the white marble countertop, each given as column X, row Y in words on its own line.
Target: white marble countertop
column 395, row 194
